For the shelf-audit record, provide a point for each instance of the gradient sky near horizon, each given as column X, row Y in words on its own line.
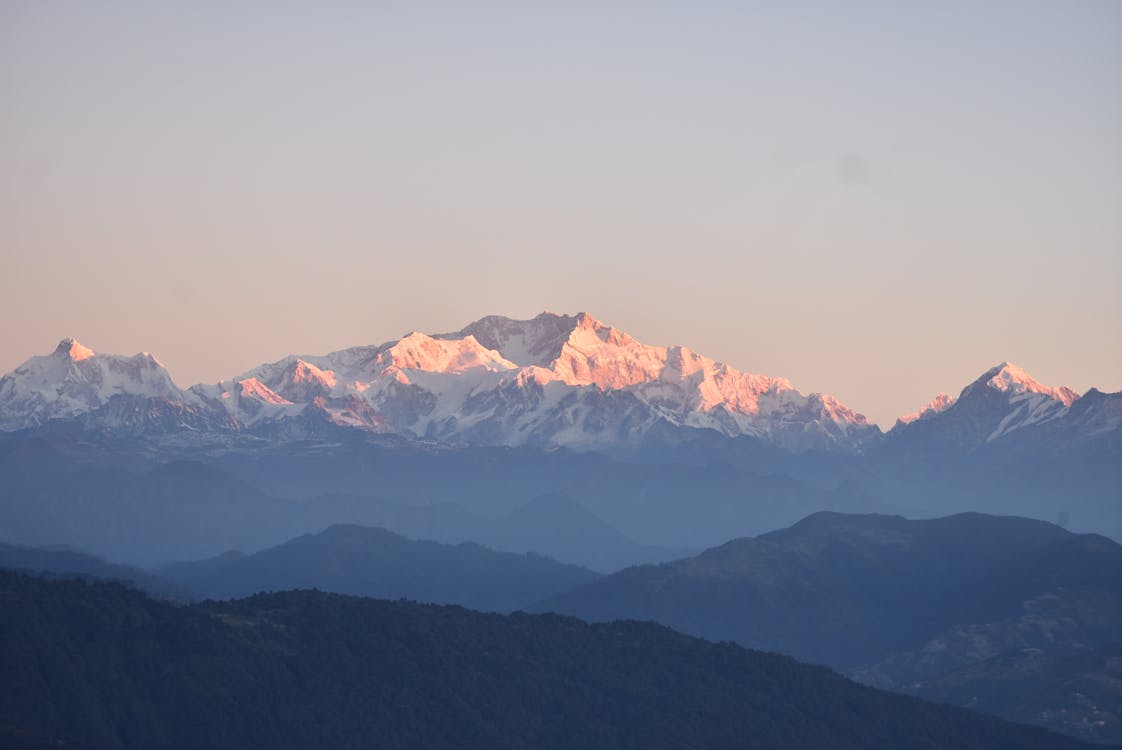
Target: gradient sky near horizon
column 877, row 200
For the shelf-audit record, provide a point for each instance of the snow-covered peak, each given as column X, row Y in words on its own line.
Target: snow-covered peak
column 1009, row 378
column 586, row 321
column 72, row 349
column 296, row 379
column 535, row 342
column 419, row 351
column 581, row 351
column 933, row 407
column 596, row 354
column 1002, row 400
column 73, row 380
column 254, row 388
column 306, row 372
column 246, row 400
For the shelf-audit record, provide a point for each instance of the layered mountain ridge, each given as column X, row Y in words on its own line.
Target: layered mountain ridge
column 552, row 381
column 984, row 611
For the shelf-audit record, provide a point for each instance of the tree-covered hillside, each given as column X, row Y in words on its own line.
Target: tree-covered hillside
column 101, row 665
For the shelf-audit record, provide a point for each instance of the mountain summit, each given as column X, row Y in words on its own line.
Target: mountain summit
column 1003, row 399
column 1008, row 378
column 74, row 380
column 72, row 349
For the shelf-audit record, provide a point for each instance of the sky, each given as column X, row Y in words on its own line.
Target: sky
column 877, row 200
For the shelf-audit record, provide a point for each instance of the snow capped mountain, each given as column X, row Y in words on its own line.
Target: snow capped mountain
column 1003, row 400
column 74, row 380
column 537, row 342
column 1029, row 401
column 936, row 405
column 552, row 381
column 555, row 380
column 245, row 402
column 674, row 383
column 1009, row 378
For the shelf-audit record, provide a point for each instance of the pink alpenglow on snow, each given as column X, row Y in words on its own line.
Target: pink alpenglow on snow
column 554, row 380
column 74, row 349
column 933, row 407
column 1012, row 379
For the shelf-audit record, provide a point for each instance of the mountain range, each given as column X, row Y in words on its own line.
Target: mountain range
column 672, row 449
column 555, row 380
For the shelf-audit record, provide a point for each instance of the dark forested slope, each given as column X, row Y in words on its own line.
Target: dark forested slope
column 901, row 604
column 101, row 665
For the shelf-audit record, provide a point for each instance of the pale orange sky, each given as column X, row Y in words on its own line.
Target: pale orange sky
column 874, row 202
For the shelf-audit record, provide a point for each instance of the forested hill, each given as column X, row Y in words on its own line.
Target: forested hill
column 347, row 559
column 103, row 666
